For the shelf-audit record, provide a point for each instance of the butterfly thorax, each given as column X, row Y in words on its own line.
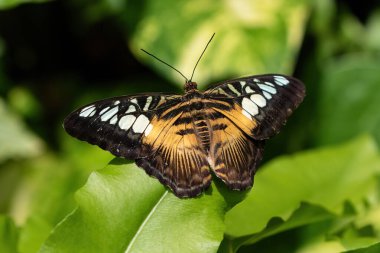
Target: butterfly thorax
column 189, row 86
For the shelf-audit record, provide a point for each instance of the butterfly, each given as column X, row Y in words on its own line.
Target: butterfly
column 182, row 139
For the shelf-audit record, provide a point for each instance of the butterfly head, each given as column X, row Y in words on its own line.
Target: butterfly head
column 190, row 86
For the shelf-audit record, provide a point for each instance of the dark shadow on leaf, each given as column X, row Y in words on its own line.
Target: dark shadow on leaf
column 232, row 197
column 120, row 161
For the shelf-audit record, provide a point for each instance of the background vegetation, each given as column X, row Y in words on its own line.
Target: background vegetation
column 317, row 189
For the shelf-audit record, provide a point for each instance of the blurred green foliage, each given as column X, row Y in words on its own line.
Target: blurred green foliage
column 321, row 195
column 4, row 4
column 250, row 36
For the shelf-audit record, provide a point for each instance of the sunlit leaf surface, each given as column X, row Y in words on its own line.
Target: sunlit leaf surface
column 252, row 37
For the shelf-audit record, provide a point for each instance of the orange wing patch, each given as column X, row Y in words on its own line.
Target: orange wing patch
column 236, row 114
column 176, row 158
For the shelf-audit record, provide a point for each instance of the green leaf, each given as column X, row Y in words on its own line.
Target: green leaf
column 16, row 141
column 8, row 235
column 326, row 177
column 121, row 209
column 252, row 37
column 305, row 214
column 371, row 249
column 373, row 35
column 5, row 4
column 349, row 100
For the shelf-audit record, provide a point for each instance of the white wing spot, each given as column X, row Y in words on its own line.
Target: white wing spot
column 232, row 88
column 148, row 129
column 140, row 124
column 249, row 106
column 134, row 101
column 113, row 120
column 116, row 102
column 106, row 116
column 280, row 80
column 147, row 104
column 249, row 90
column 242, row 83
column 267, row 88
column 104, row 110
column 85, row 112
column 256, row 80
column 126, row 122
column 270, row 84
column 267, row 95
column 245, row 113
column 131, row 108
column 221, row 91
column 92, row 114
column 259, row 100
column 87, row 107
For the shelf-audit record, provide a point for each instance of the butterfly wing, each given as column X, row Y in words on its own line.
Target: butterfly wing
column 233, row 155
column 248, row 111
column 154, row 130
column 119, row 124
column 177, row 159
column 260, row 105
column 144, row 128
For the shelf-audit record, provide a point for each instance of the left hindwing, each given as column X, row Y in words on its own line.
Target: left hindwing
column 119, row 124
column 259, row 105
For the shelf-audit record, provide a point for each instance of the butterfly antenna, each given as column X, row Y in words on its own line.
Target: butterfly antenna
column 167, row 64
column 191, row 78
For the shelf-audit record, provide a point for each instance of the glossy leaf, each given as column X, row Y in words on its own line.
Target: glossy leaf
column 327, row 177
column 121, row 209
column 303, row 215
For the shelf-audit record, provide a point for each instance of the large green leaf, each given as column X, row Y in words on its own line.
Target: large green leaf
column 121, row 209
column 252, row 37
column 349, row 100
column 327, row 177
column 305, row 214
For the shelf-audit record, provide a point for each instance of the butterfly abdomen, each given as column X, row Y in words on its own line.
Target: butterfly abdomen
column 203, row 132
